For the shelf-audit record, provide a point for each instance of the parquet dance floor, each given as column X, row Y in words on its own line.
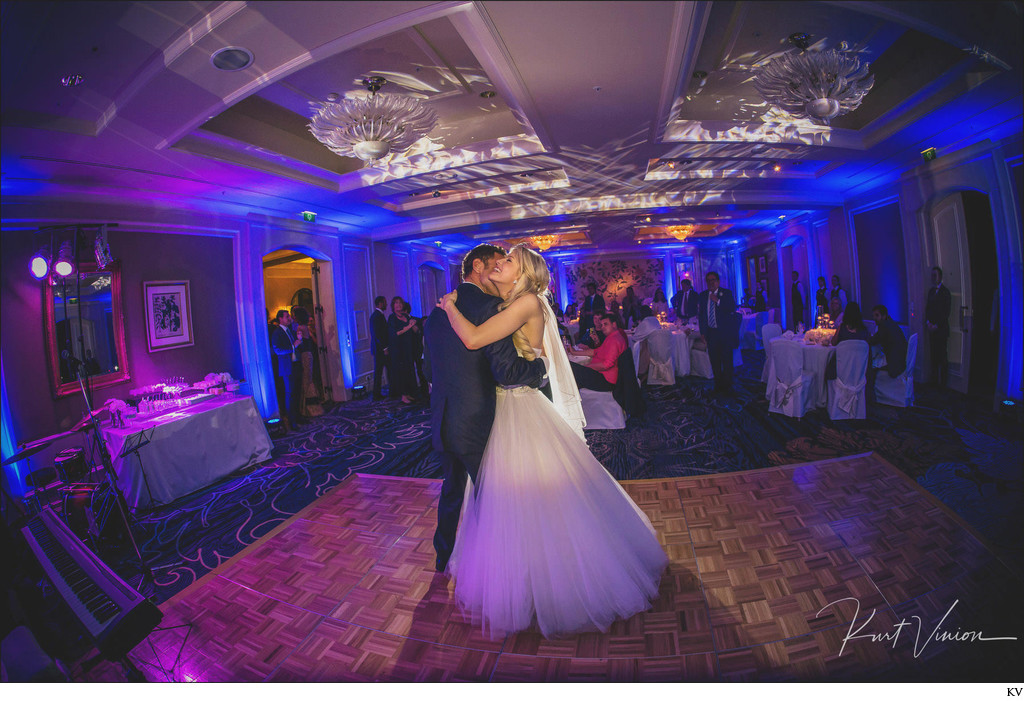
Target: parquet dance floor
column 783, row 573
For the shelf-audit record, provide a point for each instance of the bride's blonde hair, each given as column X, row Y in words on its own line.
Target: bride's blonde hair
column 534, row 278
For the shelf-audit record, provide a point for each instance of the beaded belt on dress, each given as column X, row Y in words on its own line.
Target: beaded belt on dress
column 517, row 389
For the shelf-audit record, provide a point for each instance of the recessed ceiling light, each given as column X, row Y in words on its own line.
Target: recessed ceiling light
column 231, row 58
column 70, row 81
column 488, row 94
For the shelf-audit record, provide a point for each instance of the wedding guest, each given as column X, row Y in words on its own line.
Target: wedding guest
column 602, row 372
column 659, row 305
column 760, row 298
column 306, row 351
column 719, row 328
column 684, row 302
column 837, row 292
column 835, row 312
column 416, row 346
column 821, row 297
column 630, row 306
column 571, row 312
column 593, row 304
column 851, row 329
column 936, row 319
column 379, row 343
column 284, row 344
column 893, row 342
column 400, row 336
column 796, row 299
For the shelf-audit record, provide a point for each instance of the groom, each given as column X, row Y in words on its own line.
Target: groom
column 463, row 388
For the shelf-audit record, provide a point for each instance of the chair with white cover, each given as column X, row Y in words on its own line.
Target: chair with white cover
column 899, row 390
column 792, row 386
column 768, row 332
column 601, row 410
column 659, row 346
column 700, row 361
column 760, row 319
column 846, row 395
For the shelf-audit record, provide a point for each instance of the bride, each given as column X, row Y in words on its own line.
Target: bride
column 546, row 534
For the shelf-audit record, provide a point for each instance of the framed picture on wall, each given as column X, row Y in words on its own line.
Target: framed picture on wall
column 168, row 314
column 760, row 264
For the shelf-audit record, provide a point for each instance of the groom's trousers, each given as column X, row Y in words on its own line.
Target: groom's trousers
column 449, row 506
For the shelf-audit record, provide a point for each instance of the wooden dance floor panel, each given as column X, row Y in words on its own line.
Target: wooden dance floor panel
column 771, row 571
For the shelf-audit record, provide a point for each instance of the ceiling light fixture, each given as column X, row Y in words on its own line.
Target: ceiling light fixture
column 371, row 128
column 681, row 232
column 545, row 241
column 820, row 85
column 231, row 58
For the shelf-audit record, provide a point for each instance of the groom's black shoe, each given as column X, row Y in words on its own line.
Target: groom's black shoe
column 440, row 565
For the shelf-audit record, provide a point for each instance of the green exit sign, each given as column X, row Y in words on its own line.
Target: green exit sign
column 309, row 216
column 929, row 154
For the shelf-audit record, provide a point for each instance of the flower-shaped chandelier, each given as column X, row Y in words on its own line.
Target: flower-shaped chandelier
column 371, row 128
column 820, row 85
column 545, row 241
column 681, row 232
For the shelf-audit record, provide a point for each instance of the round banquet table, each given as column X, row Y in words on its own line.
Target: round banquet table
column 815, row 360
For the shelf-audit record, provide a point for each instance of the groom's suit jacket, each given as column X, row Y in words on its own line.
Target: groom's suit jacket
column 463, row 381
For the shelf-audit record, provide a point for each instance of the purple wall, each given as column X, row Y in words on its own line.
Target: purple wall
column 205, row 261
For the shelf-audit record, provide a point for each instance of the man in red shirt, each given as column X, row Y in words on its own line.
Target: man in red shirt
column 602, row 372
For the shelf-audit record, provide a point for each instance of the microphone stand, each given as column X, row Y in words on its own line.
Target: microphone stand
column 147, row 571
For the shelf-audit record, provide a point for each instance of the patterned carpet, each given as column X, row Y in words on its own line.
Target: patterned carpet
column 963, row 452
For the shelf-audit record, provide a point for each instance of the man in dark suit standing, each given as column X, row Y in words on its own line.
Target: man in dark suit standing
column 797, row 300
column 936, row 318
column 463, row 394
column 684, row 302
column 593, row 304
column 379, row 343
column 289, row 367
column 716, row 315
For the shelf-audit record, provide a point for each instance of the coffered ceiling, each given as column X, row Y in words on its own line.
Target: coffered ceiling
column 584, row 119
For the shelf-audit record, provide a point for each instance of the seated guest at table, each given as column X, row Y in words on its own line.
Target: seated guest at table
column 893, row 344
column 644, row 313
column 602, row 372
column 659, row 305
column 592, row 304
column 571, row 312
column 851, row 326
column 835, row 312
column 851, row 329
column 720, row 330
column 684, row 302
column 821, row 298
column 284, row 344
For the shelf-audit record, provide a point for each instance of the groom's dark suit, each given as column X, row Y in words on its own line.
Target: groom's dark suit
column 462, row 400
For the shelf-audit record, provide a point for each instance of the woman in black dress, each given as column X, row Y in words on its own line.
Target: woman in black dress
column 401, row 332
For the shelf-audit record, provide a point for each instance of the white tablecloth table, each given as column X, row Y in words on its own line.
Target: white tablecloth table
column 573, row 327
column 188, row 449
column 815, row 359
column 748, row 325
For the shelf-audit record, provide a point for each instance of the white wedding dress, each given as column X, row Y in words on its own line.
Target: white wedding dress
column 546, row 534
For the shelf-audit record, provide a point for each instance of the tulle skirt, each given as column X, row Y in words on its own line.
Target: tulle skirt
column 546, row 534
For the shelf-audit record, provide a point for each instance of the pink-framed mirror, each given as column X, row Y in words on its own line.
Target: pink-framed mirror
column 84, row 323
